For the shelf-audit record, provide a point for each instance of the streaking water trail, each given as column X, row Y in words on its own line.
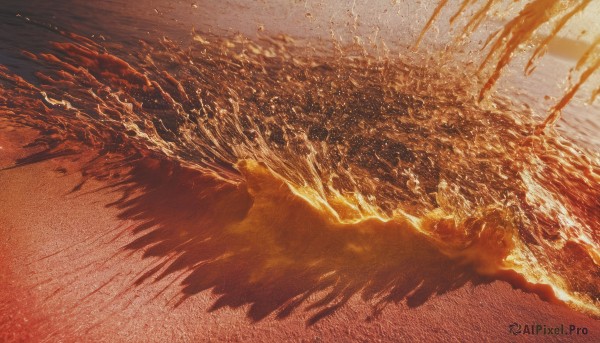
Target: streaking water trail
column 359, row 138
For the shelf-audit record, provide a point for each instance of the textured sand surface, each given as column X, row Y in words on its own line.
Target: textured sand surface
column 66, row 276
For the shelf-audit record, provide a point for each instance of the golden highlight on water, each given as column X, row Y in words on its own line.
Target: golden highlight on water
column 343, row 139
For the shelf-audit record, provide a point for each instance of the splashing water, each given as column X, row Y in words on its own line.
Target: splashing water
column 520, row 31
column 358, row 137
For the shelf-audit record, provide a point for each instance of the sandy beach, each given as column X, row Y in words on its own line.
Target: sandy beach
column 175, row 171
column 70, row 272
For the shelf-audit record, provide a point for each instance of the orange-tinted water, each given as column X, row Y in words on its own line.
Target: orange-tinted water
column 520, row 31
column 361, row 141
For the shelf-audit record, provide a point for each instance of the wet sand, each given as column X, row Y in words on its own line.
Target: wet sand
column 71, row 271
column 78, row 263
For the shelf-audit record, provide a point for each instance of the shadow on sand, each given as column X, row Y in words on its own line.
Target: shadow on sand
column 258, row 244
